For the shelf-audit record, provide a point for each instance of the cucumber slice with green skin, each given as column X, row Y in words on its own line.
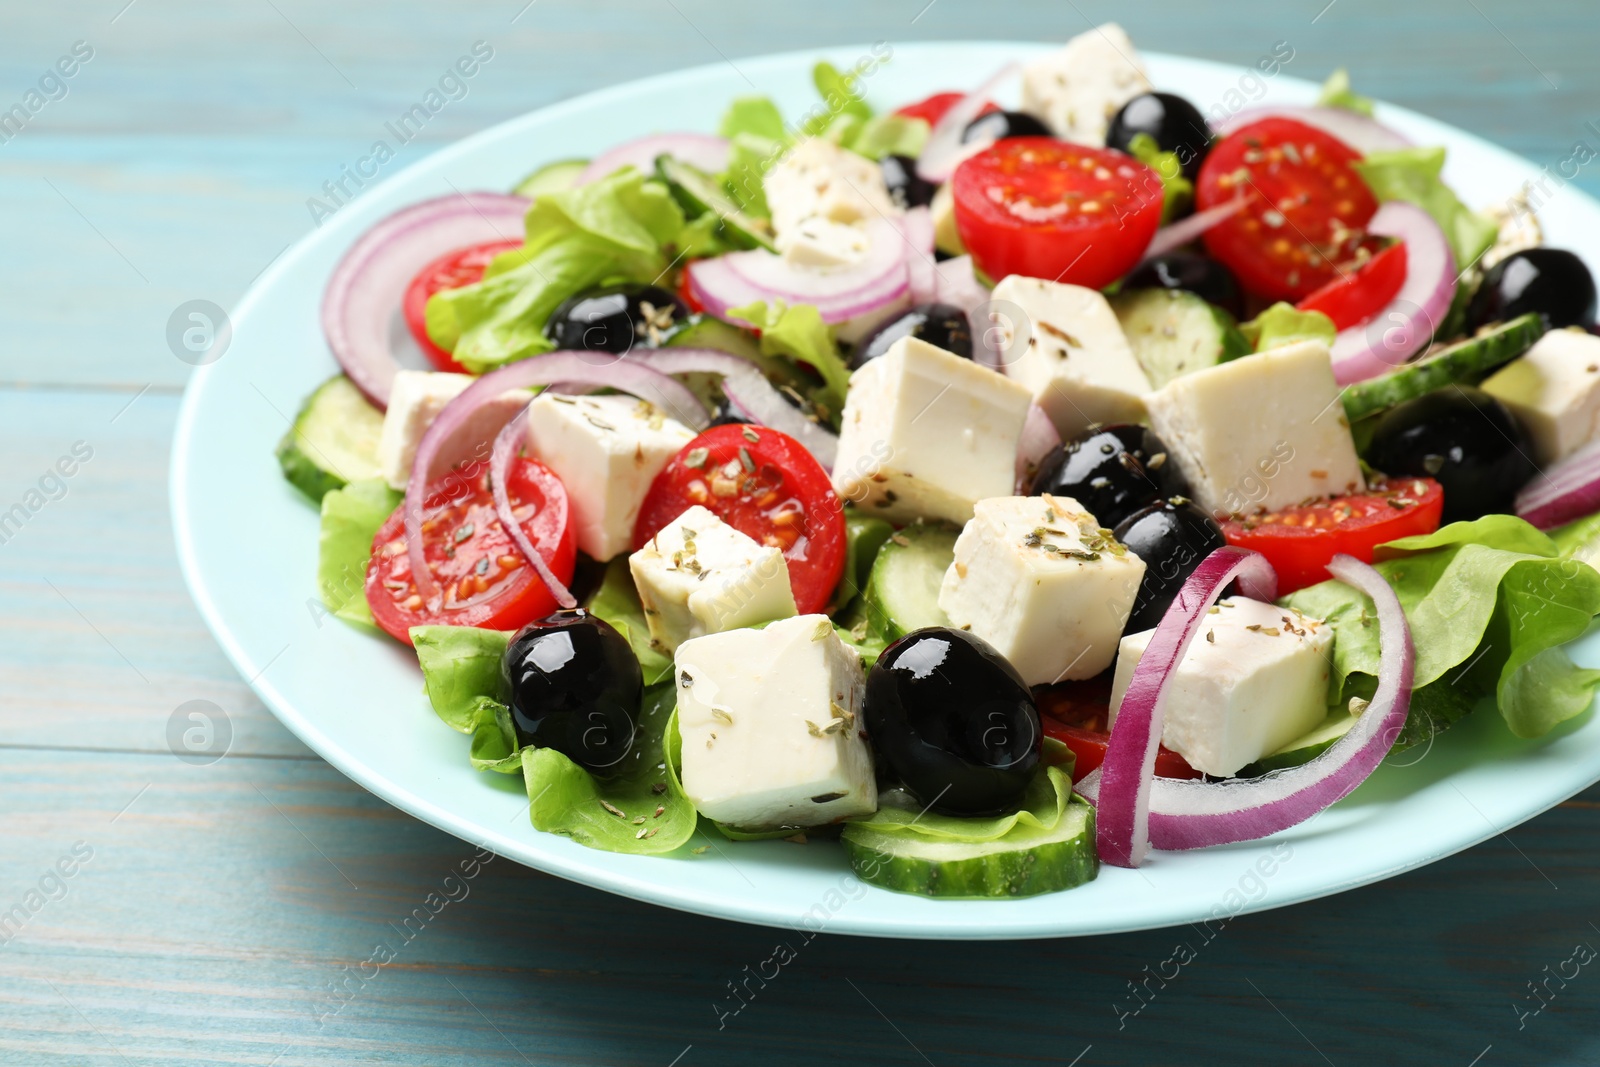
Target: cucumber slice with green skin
column 903, row 589
column 1174, row 332
column 1022, row 863
column 1465, row 362
column 699, row 192
column 705, row 331
column 554, row 177
column 334, row 440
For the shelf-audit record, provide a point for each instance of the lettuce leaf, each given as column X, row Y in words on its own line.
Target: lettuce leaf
column 1490, row 602
column 797, row 333
column 886, row 135
column 460, row 665
column 1177, row 192
column 616, row 601
column 1413, row 175
column 754, row 115
column 1336, row 92
column 840, row 97
column 1284, row 324
column 351, row 517
column 1043, row 804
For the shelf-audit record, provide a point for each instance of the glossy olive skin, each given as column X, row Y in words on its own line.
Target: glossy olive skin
column 941, row 325
column 1551, row 281
column 575, row 687
column 726, row 414
column 1172, row 537
column 1462, row 438
column 906, row 189
column 614, row 318
column 1171, row 121
column 953, row 720
column 1190, row 271
column 999, row 125
column 1108, row 471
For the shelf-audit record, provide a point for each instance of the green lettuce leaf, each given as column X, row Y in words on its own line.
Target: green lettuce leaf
column 1336, row 92
column 460, row 665
column 1413, row 175
column 617, row 602
column 840, row 96
column 1177, row 192
column 797, row 333
column 886, row 135
column 1284, row 324
column 350, row 520
column 1043, row 804
column 756, row 115
column 1486, row 600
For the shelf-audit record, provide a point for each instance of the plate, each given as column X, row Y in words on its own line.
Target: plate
column 248, row 546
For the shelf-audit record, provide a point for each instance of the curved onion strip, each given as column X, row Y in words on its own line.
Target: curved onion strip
column 1183, row 231
column 944, row 150
column 700, row 150
column 1039, row 437
column 1566, row 490
column 565, row 366
column 506, row 445
column 729, row 281
column 1122, row 786
column 365, row 289
column 1407, row 324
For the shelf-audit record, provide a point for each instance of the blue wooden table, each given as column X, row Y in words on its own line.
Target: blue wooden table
column 224, row 913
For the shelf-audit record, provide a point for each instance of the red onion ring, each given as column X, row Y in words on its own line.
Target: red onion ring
column 1567, row 490
column 506, row 445
column 565, row 366
column 1183, row 231
column 700, row 150
column 944, row 150
column 1407, row 324
column 365, row 289
column 1039, row 436
column 1356, row 130
column 916, row 230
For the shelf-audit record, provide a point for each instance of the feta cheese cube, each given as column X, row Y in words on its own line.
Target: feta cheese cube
column 927, row 434
column 1074, row 359
column 699, row 575
column 1253, row 680
column 1041, row 581
column 1259, row 433
column 1554, row 390
column 821, row 195
column 416, row 400
column 769, row 720
column 1078, row 90
column 606, row 450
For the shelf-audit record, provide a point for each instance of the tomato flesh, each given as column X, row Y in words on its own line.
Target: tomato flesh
column 932, row 109
column 482, row 577
column 766, row 485
column 1048, row 209
column 464, row 266
column 1075, row 713
column 1299, row 541
column 1356, row 299
column 1305, row 213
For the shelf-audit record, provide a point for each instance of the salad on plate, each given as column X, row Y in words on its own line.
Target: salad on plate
column 995, row 492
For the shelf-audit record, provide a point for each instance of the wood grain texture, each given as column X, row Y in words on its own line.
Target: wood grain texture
column 224, row 905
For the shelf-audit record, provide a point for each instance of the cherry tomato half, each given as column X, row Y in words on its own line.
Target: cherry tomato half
column 1305, row 213
column 765, row 485
column 1299, row 541
column 464, row 266
column 1356, row 298
column 483, row 579
column 1048, row 209
column 1075, row 713
column 933, row 108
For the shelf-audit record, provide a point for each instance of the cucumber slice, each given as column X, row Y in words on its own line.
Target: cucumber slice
column 903, row 588
column 334, row 440
column 1174, row 332
column 699, row 192
column 554, row 177
column 1023, row 862
column 1464, row 362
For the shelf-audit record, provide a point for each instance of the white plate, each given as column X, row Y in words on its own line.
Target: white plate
column 248, row 544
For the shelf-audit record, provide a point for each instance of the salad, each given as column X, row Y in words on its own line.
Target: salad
column 995, row 492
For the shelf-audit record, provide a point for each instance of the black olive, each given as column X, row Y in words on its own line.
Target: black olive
column 615, row 318
column 1551, row 281
column 999, row 125
column 727, row 415
column 1200, row 275
column 575, row 687
column 906, row 188
column 1171, row 121
column 954, row 721
column 942, row 325
column 1108, row 471
column 1172, row 537
column 1462, row 438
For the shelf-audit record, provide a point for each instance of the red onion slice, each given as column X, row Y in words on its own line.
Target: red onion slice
column 1567, row 490
column 1407, row 324
column 944, row 150
column 701, row 150
column 1356, row 130
column 587, row 367
column 1189, row 229
column 507, row 443
column 916, row 231
column 1039, row 436
column 365, row 289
